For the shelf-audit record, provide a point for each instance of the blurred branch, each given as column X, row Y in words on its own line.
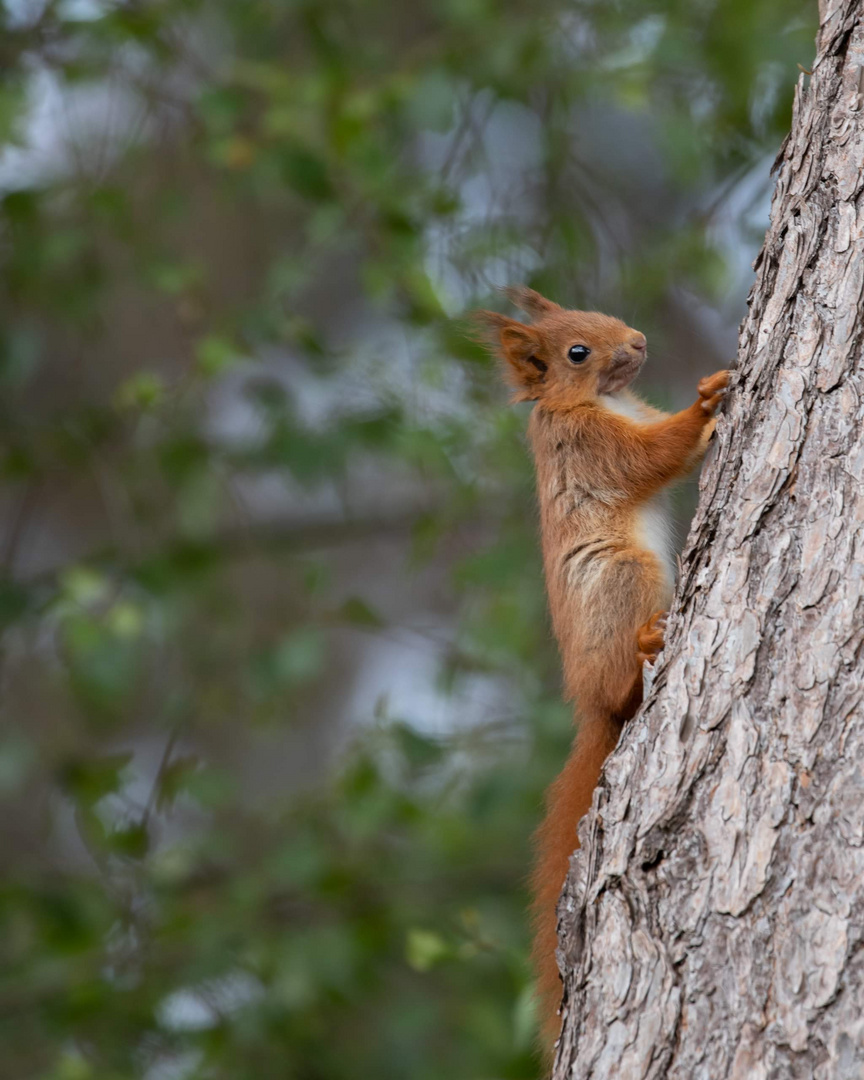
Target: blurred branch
column 164, row 762
column 20, row 519
column 285, row 537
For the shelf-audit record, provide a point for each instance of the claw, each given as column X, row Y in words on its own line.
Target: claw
column 715, row 384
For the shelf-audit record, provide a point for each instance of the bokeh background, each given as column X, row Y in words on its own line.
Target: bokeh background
column 279, row 696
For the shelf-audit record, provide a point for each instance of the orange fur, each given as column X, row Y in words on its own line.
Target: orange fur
column 602, row 458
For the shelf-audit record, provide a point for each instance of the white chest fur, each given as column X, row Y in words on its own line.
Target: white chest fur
column 653, row 531
column 653, row 519
column 623, row 405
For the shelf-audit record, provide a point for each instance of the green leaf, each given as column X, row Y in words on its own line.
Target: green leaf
column 216, row 355
column 174, row 778
column 87, row 780
column 424, row 949
column 145, row 390
column 357, row 612
column 306, row 172
column 131, row 841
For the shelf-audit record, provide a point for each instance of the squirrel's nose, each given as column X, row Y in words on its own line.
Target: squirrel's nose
column 639, row 342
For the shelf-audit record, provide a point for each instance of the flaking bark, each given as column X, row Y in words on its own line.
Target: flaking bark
column 712, row 923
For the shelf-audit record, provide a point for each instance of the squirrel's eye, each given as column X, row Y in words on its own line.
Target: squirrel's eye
column 578, row 353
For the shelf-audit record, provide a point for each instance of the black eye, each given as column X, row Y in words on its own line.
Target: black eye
column 578, row 354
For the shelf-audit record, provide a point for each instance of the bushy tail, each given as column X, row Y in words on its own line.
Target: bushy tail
column 567, row 801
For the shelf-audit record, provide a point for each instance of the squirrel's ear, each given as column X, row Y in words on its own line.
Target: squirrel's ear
column 530, row 301
column 518, row 345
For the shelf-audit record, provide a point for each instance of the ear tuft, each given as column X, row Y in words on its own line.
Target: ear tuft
column 518, row 345
column 529, row 300
column 486, row 327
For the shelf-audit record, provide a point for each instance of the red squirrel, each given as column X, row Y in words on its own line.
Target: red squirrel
column 603, row 460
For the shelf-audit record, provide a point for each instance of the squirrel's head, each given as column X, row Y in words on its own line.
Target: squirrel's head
column 561, row 354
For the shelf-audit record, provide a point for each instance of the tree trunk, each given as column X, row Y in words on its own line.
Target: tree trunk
column 713, row 921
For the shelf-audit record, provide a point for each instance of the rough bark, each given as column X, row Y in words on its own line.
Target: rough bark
column 713, row 921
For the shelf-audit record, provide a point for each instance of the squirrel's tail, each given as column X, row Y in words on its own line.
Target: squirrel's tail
column 567, row 801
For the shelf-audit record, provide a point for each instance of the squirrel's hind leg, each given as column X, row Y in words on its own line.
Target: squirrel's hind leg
column 650, row 637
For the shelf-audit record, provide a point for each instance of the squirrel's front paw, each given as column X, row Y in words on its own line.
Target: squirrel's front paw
column 712, row 390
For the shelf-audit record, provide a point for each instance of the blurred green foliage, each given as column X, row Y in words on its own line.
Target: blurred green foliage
column 247, row 209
